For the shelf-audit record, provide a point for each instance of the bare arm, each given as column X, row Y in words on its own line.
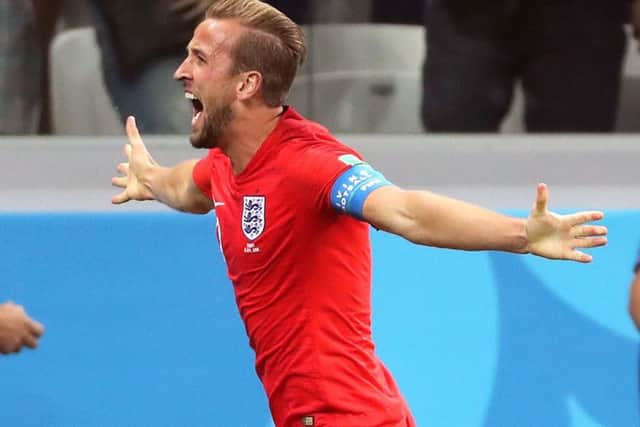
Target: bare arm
column 634, row 300
column 143, row 179
column 430, row 219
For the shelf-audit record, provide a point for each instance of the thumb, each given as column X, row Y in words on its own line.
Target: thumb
column 542, row 199
column 132, row 131
column 135, row 140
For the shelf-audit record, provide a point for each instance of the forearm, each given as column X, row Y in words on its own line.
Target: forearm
column 634, row 301
column 174, row 187
column 440, row 221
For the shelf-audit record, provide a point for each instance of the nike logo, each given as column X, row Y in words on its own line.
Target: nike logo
column 217, row 204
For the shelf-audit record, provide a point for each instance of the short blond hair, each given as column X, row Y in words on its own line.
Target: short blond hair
column 273, row 46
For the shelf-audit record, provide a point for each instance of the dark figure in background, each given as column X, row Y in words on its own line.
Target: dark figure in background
column 408, row 12
column 568, row 55
column 141, row 44
column 26, row 28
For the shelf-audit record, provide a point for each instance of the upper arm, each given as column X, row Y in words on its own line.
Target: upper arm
column 178, row 188
column 200, row 201
column 386, row 209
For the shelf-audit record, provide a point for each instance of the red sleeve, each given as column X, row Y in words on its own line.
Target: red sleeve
column 202, row 175
column 315, row 169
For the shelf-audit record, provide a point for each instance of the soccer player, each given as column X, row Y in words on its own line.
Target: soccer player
column 294, row 205
column 17, row 330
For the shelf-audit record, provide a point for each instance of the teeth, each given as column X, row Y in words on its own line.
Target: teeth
column 191, row 96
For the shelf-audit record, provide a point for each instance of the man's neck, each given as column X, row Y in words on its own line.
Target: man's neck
column 247, row 133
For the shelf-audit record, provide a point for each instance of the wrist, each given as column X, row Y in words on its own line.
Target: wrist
column 150, row 180
column 522, row 237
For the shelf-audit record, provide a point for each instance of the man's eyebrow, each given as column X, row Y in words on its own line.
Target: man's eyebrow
column 196, row 51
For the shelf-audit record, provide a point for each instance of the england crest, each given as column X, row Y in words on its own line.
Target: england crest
column 253, row 216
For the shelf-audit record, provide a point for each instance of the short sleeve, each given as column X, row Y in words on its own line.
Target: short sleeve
column 202, row 174
column 315, row 169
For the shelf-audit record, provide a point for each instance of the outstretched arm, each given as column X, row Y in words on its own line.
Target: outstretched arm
column 430, row 219
column 143, row 179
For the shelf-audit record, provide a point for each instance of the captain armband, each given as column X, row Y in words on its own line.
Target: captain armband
column 352, row 188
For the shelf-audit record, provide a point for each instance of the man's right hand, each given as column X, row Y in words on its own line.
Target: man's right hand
column 17, row 330
column 139, row 162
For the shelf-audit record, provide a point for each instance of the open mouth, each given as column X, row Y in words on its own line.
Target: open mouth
column 197, row 107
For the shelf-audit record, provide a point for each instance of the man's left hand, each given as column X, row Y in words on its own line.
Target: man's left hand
column 559, row 236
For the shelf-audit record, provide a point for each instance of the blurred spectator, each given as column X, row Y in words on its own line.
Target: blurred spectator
column 407, row 12
column 567, row 54
column 634, row 295
column 26, row 27
column 141, row 46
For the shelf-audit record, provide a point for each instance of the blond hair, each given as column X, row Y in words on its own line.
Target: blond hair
column 273, row 46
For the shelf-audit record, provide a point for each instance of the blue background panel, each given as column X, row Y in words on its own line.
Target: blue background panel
column 142, row 328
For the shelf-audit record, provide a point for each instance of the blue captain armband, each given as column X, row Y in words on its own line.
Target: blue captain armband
column 353, row 186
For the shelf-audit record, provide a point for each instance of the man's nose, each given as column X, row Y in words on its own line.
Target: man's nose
column 181, row 72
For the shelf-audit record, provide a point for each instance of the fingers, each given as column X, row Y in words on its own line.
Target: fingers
column 119, row 181
column 593, row 242
column 579, row 257
column 30, row 341
column 588, row 231
column 121, row 198
column 35, row 328
column 583, row 217
column 542, row 199
column 135, row 141
column 123, row 168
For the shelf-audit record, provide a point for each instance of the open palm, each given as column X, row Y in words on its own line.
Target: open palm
column 139, row 161
column 559, row 236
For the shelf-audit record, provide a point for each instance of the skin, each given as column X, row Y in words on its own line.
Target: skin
column 634, row 300
column 17, row 330
column 421, row 217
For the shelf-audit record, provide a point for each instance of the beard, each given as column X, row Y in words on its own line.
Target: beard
column 214, row 125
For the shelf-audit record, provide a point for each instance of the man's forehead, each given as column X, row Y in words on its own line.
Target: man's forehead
column 213, row 35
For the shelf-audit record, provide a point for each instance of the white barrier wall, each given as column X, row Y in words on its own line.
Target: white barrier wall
column 74, row 173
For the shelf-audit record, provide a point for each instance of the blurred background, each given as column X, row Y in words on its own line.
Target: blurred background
column 474, row 99
column 417, row 65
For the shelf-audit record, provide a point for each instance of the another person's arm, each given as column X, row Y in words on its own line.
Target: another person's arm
column 17, row 330
column 634, row 299
column 143, row 179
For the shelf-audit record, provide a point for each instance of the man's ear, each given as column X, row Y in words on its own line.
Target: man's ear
column 250, row 85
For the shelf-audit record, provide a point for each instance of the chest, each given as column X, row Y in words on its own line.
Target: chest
column 255, row 219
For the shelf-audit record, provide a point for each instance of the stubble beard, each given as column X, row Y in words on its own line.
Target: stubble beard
column 214, row 125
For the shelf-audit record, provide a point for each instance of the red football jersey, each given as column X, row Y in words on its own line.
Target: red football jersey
column 301, row 273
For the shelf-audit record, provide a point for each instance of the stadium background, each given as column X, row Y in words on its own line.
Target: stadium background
column 142, row 327
column 141, row 324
